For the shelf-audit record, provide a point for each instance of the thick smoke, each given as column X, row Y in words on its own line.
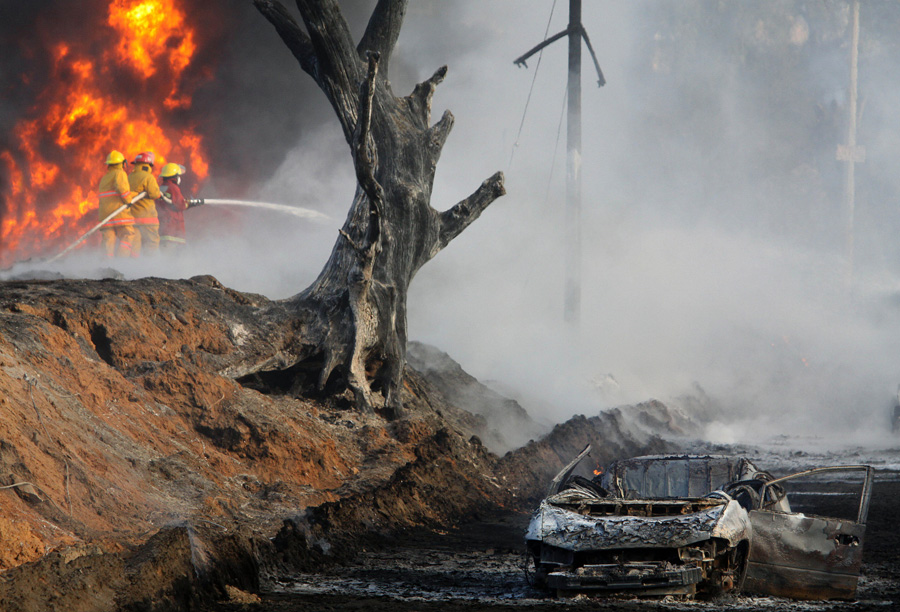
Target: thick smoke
column 713, row 217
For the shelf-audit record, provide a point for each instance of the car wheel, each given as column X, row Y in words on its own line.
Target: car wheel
column 729, row 573
column 741, row 553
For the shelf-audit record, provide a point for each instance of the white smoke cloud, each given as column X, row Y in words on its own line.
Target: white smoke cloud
column 269, row 252
column 711, row 256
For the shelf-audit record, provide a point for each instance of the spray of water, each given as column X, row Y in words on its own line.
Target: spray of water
column 293, row 210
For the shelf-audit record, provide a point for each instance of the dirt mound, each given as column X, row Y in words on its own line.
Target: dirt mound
column 177, row 568
column 502, row 424
column 622, row 432
column 141, row 464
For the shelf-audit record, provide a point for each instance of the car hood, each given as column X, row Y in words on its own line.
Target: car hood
column 569, row 530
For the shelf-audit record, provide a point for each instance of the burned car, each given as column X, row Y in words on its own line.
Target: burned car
column 689, row 524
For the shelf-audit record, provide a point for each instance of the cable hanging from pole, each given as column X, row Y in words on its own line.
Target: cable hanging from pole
column 562, row 114
column 576, row 35
column 530, row 90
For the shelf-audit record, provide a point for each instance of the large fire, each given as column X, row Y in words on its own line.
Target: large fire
column 125, row 98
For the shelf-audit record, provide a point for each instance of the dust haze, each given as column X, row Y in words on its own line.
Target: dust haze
column 713, row 219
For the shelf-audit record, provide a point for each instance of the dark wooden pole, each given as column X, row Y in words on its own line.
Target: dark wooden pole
column 575, row 32
column 572, row 302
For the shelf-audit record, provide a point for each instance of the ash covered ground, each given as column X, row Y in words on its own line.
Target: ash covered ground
column 481, row 564
column 160, row 482
column 138, row 470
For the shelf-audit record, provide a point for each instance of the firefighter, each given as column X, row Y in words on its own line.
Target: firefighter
column 171, row 207
column 117, row 235
column 144, row 210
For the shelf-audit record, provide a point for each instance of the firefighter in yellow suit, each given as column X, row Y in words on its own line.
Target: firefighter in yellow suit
column 144, row 210
column 114, row 191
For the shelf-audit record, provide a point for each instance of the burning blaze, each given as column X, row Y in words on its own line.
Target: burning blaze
column 152, row 32
column 598, row 471
column 123, row 99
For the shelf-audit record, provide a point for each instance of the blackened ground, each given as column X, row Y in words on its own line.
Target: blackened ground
column 479, row 566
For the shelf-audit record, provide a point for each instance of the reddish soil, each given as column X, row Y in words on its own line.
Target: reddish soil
column 142, row 472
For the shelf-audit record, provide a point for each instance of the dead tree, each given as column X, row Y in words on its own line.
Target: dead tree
column 350, row 324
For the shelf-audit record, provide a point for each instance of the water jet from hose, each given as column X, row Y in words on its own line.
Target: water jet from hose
column 305, row 213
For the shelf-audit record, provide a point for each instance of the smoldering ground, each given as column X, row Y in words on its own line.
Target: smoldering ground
column 714, row 261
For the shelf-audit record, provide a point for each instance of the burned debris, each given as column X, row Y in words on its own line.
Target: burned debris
column 692, row 525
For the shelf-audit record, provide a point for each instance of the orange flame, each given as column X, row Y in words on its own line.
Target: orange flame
column 153, row 32
column 90, row 106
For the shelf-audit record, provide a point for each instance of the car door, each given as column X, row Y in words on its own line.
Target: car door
column 807, row 556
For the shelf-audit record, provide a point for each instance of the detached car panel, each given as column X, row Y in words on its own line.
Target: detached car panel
column 685, row 525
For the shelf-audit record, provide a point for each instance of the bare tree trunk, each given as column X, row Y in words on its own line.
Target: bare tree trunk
column 350, row 324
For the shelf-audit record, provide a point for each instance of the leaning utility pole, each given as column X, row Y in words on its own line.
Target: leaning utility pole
column 575, row 32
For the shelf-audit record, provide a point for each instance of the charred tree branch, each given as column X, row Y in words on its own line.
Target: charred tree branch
column 458, row 218
column 365, row 164
column 382, row 32
column 353, row 316
column 437, row 136
column 352, row 242
column 339, row 66
column 291, row 33
column 362, row 304
column 331, row 39
column 420, row 99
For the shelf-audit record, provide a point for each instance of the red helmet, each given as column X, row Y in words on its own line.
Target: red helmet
column 144, row 158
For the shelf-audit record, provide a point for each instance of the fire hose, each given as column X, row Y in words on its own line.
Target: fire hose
column 294, row 210
column 96, row 227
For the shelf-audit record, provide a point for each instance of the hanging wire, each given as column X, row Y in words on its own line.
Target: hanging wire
column 528, row 99
column 562, row 114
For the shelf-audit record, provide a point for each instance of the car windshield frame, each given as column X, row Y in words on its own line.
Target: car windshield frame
column 864, row 494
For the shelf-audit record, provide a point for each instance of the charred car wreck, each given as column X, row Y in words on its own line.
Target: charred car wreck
column 688, row 525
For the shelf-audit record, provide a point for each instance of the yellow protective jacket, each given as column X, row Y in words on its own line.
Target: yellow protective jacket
column 144, row 210
column 114, row 191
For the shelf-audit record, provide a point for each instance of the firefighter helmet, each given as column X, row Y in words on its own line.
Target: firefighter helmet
column 144, row 158
column 114, row 158
column 170, row 170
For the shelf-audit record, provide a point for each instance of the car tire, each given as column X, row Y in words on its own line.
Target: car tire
column 742, row 552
